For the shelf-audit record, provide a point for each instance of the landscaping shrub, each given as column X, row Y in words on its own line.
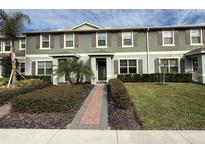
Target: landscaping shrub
column 118, row 93
column 8, row 94
column 3, row 81
column 49, row 99
column 47, row 79
column 30, row 83
column 179, row 77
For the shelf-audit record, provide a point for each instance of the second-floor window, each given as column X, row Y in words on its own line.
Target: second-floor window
column 127, row 39
column 69, row 40
column 45, row 41
column 101, row 39
column 168, row 37
column 22, row 44
column 196, row 36
column 7, row 45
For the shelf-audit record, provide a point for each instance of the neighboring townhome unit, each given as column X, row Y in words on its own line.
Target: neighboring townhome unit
column 110, row 51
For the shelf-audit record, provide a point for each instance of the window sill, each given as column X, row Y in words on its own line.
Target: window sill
column 69, row 47
column 45, row 48
column 22, row 49
column 101, row 46
column 196, row 44
column 127, row 46
column 168, row 45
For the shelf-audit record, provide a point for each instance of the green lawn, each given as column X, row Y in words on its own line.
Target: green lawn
column 172, row 106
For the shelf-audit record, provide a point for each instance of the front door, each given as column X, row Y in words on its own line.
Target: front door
column 195, row 69
column 101, row 70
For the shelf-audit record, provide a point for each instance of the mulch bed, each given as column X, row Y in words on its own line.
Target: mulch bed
column 42, row 120
column 123, row 119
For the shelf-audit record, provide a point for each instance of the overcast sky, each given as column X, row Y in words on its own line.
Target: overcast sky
column 64, row 19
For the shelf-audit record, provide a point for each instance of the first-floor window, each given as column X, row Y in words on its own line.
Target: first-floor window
column 128, row 66
column 21, row 67
column 169, row 65
column 45, row 68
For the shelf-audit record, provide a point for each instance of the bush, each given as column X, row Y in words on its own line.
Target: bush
column 30, row 83
column 49, row 99
column 3, row 81
column 8, row 94
column 180, row 77
column 47, row 79
column 118, row 93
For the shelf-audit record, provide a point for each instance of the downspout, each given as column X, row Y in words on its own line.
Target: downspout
column 147, row 47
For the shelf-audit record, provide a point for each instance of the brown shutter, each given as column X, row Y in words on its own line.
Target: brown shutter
column 52, row 40
column 182, row 65
column 140, row 66
column 160, row 38
column 119, row 39
column 37, row 41
column 93, row 39
column 33, row 68
column 135, row 38
column 62, row 41
column 203, row 35
column 76, row 36
column 187, row 37
column 156, row 65
column 115, row 66
column 176, row 37
column 109, row 40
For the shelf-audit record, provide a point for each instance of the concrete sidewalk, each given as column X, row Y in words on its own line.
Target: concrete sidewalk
column 54, row 136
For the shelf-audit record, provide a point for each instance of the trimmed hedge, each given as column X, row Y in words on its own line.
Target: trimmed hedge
column 49, row 99
column 44, row 78
column 118, row 93
column 8, row 94
column 180, row 77
column 3, row 81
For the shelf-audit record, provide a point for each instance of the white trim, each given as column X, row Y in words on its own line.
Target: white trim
column 137, row 71
column 201, row 38
column 37, row 55
column 173, row 40
column 84, row 24
column 20, row 44
column 3, row 47
column 41, row 48
column 97, row 40
column 127, row 46
column 65, row 41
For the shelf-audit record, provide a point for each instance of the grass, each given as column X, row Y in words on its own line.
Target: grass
column 172, row 106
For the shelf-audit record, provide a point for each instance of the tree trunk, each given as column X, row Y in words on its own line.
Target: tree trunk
column 13, row 62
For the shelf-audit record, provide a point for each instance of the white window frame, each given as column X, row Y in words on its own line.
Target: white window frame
column 105, row 40
column 20, row 48
column 4, row 45
column 41, row 41
column 137, row 71
column 201, row 38
column 178, row 62
column 19, row 67
column 173, row 40
column 123, row 45
column 65, row 41
column 44, row 67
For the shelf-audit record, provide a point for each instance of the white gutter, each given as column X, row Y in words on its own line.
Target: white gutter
column 147, row 46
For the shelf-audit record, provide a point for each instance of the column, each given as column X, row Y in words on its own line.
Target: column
column 108, row 67
column 93, row 65
column 55, row 66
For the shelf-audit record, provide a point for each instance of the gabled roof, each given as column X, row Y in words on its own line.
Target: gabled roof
column 86, row 26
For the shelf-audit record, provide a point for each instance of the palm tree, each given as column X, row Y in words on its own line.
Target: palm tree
column 12, row 26
column 75, row 71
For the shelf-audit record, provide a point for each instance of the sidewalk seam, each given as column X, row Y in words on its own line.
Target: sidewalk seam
column 184, row 137
column 52, row 136
column 117, row 136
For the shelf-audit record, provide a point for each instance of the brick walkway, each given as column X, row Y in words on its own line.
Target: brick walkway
column 93, row 113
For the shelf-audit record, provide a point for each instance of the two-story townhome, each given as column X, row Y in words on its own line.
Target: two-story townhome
column 113, row 51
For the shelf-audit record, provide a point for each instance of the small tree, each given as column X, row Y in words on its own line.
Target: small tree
column 12, row 26
column 75, row 70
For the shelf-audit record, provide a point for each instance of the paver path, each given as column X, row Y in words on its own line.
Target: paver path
column 4, row 110
column 93, row 113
